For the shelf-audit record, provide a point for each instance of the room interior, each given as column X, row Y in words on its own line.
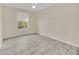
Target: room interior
column 39, row 29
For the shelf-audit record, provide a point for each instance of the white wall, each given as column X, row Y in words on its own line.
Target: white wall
column 60, row 21
column 10, row 25
column 0, row 26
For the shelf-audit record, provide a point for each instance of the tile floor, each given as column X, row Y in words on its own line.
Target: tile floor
column 36, row 44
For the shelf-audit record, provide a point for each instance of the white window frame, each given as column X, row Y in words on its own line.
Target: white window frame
column 27, row 15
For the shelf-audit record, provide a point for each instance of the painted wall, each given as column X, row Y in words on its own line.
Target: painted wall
column 1, row 26
column 10, row 25
column 60, row 21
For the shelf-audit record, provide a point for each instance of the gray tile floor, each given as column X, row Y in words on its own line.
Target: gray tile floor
column 36, row 44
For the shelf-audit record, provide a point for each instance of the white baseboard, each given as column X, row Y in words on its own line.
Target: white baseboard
column 59, row 40
column 8, row 37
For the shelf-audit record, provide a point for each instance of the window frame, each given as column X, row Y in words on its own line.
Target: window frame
column 27, row 15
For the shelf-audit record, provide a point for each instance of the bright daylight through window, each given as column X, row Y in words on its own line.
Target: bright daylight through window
column 23, row 20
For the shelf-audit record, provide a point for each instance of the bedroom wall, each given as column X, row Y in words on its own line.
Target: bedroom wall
column 1, row 38
column 10, row 22
column 60, row 22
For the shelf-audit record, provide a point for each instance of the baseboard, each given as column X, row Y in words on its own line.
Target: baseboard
column 46, row 36
column 19, row 36
column 59, row 40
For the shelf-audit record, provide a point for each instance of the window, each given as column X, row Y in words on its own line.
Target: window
column 23, row 20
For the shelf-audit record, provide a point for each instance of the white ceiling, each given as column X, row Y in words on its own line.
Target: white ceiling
column 28, row 6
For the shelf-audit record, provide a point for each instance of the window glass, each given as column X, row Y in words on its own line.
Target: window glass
column 23, row 20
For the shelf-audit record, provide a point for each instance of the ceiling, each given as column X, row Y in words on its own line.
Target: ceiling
column 28, row 6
